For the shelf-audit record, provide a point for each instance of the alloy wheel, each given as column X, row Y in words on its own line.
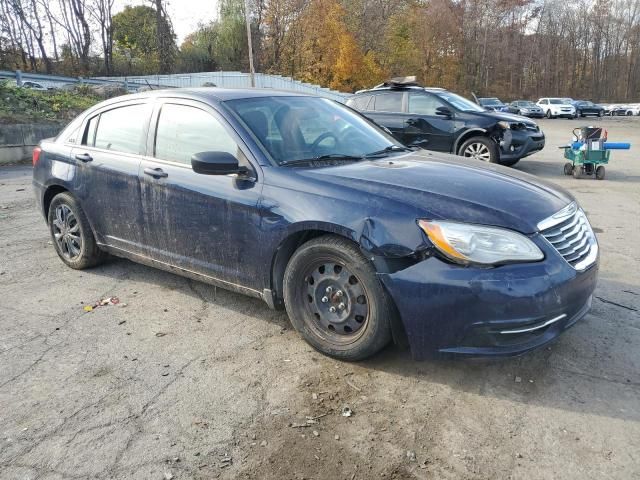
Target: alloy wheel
column 479, row 151
column 66, row 232
column 336, row 302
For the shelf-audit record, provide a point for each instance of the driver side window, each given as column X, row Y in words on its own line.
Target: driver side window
column 184, row 130
column 423, row 104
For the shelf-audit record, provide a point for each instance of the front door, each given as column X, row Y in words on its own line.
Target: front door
column 208, row 224
column 425, row 127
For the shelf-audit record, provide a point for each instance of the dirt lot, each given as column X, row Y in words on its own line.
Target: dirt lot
column 188, row 382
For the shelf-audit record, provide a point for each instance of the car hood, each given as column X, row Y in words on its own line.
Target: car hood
column 508, row 117
column 442, row 186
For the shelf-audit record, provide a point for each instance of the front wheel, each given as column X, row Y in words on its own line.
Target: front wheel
column 601, row 113
column 71, row 233
column 548, row 114
column 480, row 148
column 568, row 168
column 336, row 301
column 600, row 173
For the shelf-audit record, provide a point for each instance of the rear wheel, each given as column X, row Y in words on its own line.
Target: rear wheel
column 480, row 148
column 600, row 173
column 335, row 300
column 71, row 233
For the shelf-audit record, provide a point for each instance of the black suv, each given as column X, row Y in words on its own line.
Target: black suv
column 435, row 119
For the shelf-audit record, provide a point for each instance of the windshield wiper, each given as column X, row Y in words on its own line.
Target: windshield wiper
column 389, row 149
column 329, row 156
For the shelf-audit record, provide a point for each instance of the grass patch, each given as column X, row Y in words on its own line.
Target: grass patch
column 22, row 105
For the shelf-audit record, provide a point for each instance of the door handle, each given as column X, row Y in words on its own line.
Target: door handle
column 155, row 172
column 84, row 157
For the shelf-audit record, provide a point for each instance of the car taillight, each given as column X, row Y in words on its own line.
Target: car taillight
column 36, row 155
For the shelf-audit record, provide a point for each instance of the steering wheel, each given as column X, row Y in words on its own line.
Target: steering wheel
column 322, row 137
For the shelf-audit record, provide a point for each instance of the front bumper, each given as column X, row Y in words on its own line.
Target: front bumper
column 539, row 114
column 500, row 311
column 517, row 144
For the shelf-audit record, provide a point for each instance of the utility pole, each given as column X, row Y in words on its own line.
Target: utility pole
column 248, row 22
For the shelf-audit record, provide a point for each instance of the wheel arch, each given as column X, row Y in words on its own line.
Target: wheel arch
column 49, row 193
column 295, row 240
column 296, row 237
column 472, row 132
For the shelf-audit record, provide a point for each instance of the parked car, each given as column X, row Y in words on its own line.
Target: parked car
column 435, row 119
column 493, row 104
column 585, row 108
column 526, row 108
column 626, row 110
column 34, row 86
column 303, row 202
column 557, row 107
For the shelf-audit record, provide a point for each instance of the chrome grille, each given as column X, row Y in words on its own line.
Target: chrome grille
column 569, row 232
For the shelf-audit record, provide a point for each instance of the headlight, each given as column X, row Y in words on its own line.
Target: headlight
column 504, row 125
column 466, row 243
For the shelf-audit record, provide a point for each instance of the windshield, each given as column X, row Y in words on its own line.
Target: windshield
column 459, row 102
column 292, row 129
column 556, row 101
column 528, row 104
column 490, row 101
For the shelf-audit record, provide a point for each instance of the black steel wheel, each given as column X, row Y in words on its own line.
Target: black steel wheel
column 568, row 168
column 600, row 173
column 335, row 300
column 71, row 233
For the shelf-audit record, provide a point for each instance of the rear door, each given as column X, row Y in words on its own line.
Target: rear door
column 208, row 224
column 108, row 160
column 386, row 108
column 424, row 127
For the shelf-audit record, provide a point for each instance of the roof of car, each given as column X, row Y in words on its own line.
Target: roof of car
column 380, row 88
column 212, row 93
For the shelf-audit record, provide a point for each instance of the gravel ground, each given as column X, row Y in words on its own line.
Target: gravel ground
column 188, row 382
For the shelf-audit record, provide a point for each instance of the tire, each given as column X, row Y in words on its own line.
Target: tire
column 568, row 168
column 480, row 148
column 600, row 173
column 601, row 113
column 577, row 171
column 548, row 114
column 71, row 233
column 330, row 272
column 579, row 114
column 629, row 114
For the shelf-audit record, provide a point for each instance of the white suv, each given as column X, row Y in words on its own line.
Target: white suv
column 556, row 107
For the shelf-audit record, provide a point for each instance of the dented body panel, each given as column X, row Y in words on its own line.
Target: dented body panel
column 239, row 232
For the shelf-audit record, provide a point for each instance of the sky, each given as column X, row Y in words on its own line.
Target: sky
column 185, row 14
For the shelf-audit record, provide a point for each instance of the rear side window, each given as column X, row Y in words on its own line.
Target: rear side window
column 183, row 130
column 121, row 129
column 388, row 102
column 360, row 103
column 423, row 104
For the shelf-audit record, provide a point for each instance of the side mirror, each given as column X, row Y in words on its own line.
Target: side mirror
column 444, row 111
column 214, row 163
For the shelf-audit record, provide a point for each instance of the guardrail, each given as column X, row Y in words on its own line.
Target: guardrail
column 219, row 79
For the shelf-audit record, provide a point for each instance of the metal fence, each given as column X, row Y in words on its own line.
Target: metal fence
column 219, row 79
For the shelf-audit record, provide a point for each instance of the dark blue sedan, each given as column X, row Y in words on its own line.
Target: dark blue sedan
column 308, row 205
